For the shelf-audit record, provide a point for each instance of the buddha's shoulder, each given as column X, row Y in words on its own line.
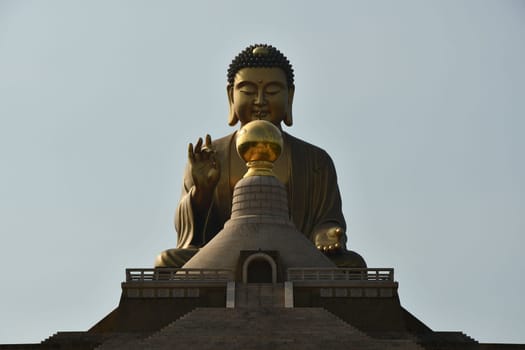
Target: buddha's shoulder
column 223, row 142
column 306, row 147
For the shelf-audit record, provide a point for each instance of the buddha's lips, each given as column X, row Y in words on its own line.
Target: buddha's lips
column 260, row 114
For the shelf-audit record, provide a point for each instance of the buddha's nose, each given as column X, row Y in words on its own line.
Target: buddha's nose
column 260, row 99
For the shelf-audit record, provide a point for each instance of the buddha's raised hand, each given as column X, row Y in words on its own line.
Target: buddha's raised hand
column 205, row 170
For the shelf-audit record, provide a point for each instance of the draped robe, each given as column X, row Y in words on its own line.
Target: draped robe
column 307, row 172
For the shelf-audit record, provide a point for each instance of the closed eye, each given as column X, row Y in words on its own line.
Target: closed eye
column 272, row 89
column 247, row 88
column 248, row 91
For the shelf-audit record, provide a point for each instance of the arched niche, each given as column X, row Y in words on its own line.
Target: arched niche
column 259, row 268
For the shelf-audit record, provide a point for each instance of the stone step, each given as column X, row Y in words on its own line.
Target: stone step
column 449, row 337
column 121, row 341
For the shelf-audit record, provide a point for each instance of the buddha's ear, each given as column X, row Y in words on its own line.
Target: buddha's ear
column 232, row 118
column 288, row 119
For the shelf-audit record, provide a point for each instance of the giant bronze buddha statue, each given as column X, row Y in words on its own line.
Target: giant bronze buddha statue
column 260, row 86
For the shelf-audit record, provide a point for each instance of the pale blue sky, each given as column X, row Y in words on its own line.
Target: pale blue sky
column 420, row 104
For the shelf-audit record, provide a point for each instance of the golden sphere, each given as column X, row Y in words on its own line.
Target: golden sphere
column 259, row 140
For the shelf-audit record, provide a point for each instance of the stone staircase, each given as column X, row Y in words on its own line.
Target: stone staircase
column 121, row 341
column 447, row 340
column 432, row 340
column 89, row 341
column 74, row 340
column 260, row 328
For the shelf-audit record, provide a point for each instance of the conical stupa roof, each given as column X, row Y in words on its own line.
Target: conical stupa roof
column 259, row 221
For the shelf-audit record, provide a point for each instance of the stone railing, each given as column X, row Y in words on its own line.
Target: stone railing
column 172, row 274
column 340, row 274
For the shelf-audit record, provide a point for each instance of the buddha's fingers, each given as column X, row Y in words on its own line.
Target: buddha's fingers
column 208, row 142
column 198, row 149
column 191, row 155
column 198, row 146
column 336, row 233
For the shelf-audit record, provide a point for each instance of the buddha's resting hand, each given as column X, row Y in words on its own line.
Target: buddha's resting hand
column 328, row 239
column 205, row 171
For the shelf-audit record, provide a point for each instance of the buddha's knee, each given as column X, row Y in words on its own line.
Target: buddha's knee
column 175, row 257
column 348, row 258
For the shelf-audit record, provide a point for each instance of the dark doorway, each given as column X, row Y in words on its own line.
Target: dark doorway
column 259, row 271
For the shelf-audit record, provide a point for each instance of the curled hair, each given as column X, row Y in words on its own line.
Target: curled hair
column 261, row 56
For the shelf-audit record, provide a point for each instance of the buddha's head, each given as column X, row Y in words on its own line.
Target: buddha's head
column 260, row 86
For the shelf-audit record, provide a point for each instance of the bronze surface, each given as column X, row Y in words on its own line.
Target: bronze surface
column 260, row 87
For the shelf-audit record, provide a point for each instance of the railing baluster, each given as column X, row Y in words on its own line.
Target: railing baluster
column 293, row 274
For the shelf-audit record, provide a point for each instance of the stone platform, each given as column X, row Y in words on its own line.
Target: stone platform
column 208, row 309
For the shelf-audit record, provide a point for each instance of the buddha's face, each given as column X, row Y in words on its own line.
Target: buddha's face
column 260, row 93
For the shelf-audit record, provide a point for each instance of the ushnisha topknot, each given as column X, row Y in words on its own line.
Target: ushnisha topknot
column 261, row 56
